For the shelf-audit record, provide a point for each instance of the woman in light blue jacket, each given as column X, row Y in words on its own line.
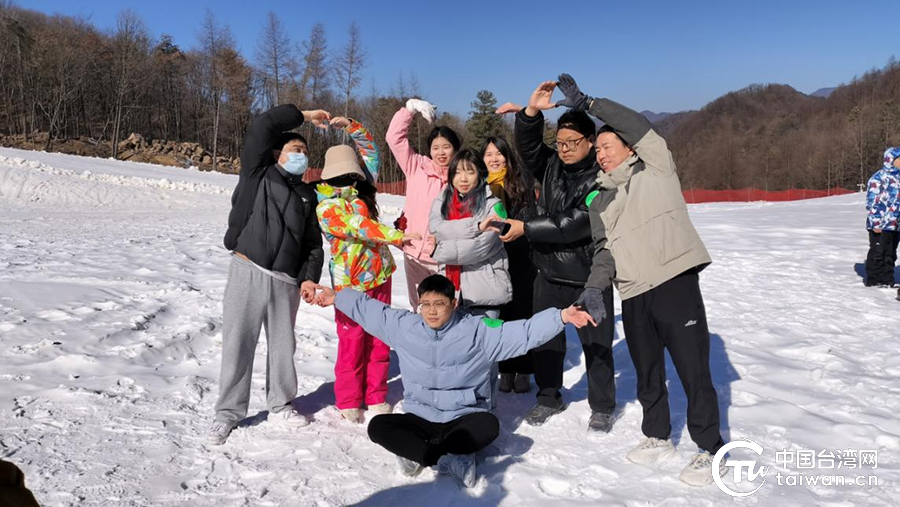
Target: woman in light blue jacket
column 446, row 359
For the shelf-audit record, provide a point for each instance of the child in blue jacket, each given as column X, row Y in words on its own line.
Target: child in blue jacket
column 882, row 214
column 445, row 360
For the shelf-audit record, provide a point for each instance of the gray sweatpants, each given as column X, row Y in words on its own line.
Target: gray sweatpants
column 254, row 299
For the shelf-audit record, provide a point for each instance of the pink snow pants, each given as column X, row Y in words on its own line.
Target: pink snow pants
column 361, row 369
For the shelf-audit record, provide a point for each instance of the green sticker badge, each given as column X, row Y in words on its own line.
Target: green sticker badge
column 590, row 198
column 500, row 210
column 495, row 323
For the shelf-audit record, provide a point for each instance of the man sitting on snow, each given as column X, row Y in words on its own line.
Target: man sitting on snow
column 445, row 359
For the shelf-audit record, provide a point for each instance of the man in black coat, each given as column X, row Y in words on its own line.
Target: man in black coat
column 277, row 258
column 560, row 237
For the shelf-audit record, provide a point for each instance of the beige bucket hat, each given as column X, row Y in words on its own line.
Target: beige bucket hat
column 341, row 160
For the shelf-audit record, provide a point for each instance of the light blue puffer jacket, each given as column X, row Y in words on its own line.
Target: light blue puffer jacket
column 446, row 372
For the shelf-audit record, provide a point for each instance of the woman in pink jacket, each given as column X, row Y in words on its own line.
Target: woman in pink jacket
column 426, row 177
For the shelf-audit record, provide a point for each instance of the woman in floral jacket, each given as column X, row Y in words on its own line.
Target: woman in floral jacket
column 360, row 259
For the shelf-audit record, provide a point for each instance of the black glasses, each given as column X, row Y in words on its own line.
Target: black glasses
column 570, row 144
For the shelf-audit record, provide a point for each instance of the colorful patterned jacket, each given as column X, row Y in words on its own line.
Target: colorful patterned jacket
column 360, row 255
column 883, row 195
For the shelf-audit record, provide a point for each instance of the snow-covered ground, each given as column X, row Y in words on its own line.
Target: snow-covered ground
column 111, row 281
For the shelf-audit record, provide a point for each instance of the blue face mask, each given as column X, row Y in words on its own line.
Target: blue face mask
column 297, row 163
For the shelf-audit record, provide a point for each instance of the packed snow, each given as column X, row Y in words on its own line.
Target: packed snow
column 111, row 283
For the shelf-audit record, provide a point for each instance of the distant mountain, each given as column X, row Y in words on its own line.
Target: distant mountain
column 655, row 117
column 822, row 92
column 774, row 137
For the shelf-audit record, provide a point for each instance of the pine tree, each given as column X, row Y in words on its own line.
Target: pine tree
column 483, row 122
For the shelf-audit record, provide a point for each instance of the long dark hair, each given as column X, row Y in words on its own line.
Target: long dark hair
column 519, row 194
column 366, row 192
column 447, row 133
column 476, row 198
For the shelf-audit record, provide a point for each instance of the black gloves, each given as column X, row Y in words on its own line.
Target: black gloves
column 575, row 99
column 591, row 301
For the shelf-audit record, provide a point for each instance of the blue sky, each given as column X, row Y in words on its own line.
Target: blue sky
column 662, row 56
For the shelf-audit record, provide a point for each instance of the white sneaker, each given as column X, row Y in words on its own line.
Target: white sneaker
column 289, row 417
column 699, row 471
column 380, row 409
column 650, row 450
column 459, row 466
column 218, row 432
column 350, row 414
column 409, row 467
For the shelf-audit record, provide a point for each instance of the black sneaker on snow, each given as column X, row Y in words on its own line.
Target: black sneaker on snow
column 601, row 421
column 540, row 413
column 522, row 383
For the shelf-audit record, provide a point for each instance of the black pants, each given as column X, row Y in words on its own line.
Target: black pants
column 515, row 310
column 549, row 358
column 881, row 258
column 424, row 442
column 672, row 316
column 523, row 273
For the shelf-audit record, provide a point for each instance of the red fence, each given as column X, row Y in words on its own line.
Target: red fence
column 394, row 187
column 753, row 194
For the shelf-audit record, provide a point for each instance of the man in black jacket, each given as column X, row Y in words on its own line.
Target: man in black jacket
column 560, row 236
column 277, row 258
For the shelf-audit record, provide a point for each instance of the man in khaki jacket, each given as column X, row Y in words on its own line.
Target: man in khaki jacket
column 644, row 241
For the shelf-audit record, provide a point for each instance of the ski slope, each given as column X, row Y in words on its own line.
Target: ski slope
column 111, row 283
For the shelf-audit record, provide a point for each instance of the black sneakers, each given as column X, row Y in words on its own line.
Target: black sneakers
column 518, row 382
column 540, row 413
column 601, row 421
column 522, row 383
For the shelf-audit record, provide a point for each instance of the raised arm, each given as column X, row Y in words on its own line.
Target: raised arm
column 365, row 144
column 529, row 140
column 637, row 131
column 529, row 131
column 264, row 131
column 410, row 162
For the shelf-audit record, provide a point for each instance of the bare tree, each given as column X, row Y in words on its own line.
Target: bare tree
column 274, row 58
column 214, row 40
column 315, row 80
column 350, row 63
column 130, row 44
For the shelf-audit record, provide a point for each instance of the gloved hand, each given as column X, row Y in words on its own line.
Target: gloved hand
column 575, row 98
column 426, row 109
column 591, row 301
column 400, row 223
